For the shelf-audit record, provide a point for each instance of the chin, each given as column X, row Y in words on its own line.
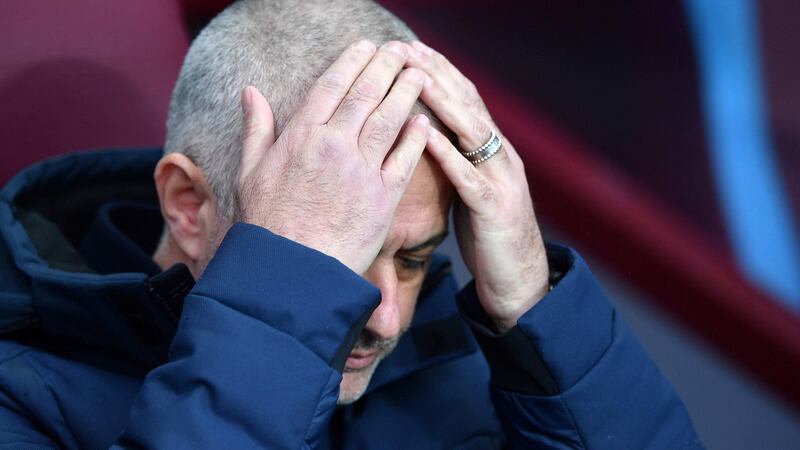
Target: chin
column 354, row 384
column 356, row 377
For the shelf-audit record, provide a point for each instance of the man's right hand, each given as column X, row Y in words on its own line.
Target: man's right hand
column 326, row 182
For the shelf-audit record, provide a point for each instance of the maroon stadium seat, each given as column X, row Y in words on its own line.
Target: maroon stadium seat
column 82, row 75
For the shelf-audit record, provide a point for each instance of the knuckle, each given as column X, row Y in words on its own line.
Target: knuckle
column 348, row 108
column 469, row 175
column 411, row 77
column 404, row 169
column 472, row 178
column 373, row 140
column 418, row 137
column 329, row 83
column 417, row 134
column 440, row 94
column 385, row 121
column 365, row 90
column 487, row 193
column 469, row 86
column 503, row 158
column 399, row 182
column 516, row 162
column 378, row 132
column 388, row 59
column 471, row 100
column 373, row 145
column 353, row 56
column 329, row 149
column 480, row 129
column 440, row 59
column 395, row 45
column 435, row 89
column 405, row 89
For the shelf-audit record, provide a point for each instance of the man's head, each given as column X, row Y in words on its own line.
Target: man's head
column 281, row 47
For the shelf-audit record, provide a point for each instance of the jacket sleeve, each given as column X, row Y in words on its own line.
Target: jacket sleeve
column 572, row 375
column 257, row 358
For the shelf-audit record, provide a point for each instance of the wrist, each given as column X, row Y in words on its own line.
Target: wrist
column 502, row 325
column 544, row 285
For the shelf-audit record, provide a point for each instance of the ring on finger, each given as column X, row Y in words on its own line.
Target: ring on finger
column 485, row 151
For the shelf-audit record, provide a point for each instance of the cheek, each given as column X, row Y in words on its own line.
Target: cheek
column 407, row 298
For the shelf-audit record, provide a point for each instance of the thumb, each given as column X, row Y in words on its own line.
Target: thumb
column 258, row 129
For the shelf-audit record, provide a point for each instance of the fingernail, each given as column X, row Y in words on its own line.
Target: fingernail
column 247, row 100
column 396, row 47
column 365, row 45
column 422, row 47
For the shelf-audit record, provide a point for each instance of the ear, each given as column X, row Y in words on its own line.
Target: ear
column 187, row 204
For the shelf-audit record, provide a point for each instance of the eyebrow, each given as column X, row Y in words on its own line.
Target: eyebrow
column 430, row 242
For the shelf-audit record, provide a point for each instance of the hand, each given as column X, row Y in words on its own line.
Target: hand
column 495, row 223
column 326, row 182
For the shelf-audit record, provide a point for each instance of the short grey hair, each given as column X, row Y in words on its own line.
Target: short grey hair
column 278, row 46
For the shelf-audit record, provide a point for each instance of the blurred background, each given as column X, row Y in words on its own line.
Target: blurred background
column 662, row 139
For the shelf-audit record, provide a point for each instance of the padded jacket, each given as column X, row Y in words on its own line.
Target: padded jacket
column 100, row 348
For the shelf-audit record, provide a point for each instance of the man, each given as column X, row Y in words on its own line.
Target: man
column 309, row 220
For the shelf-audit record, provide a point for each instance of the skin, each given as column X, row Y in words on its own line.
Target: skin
column 348, row 177
column 418, row 226
column 497, row 231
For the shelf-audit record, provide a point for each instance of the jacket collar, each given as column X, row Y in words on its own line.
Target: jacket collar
column 122, row 238
column 45, row 211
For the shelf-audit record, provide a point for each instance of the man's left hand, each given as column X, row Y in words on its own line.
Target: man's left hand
column 494, row 219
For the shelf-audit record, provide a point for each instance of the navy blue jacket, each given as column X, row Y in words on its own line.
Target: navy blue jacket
column 101, row 348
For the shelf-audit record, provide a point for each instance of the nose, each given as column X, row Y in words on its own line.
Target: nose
column 385, row 320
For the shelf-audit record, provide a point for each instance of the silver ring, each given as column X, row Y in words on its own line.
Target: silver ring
column 486, row 151
column 482, row 147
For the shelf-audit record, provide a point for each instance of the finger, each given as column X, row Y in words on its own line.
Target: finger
column 384, row 124
column 437, row 65
column 370, row 87
column 472, row 130
column 258, row 129
column 457, row 86
column 473, row 188
column 400, row 164
column 453, row 97
column 330, row 88
column 447, row 75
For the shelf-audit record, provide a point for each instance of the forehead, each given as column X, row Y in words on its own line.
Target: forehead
column 422, row 211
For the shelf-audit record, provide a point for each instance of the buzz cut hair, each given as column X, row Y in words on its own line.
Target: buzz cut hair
column 279, row 46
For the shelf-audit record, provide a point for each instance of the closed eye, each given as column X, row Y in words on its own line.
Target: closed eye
column 412, row 263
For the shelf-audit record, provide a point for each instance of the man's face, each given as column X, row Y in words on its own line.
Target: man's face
column 419, row 225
